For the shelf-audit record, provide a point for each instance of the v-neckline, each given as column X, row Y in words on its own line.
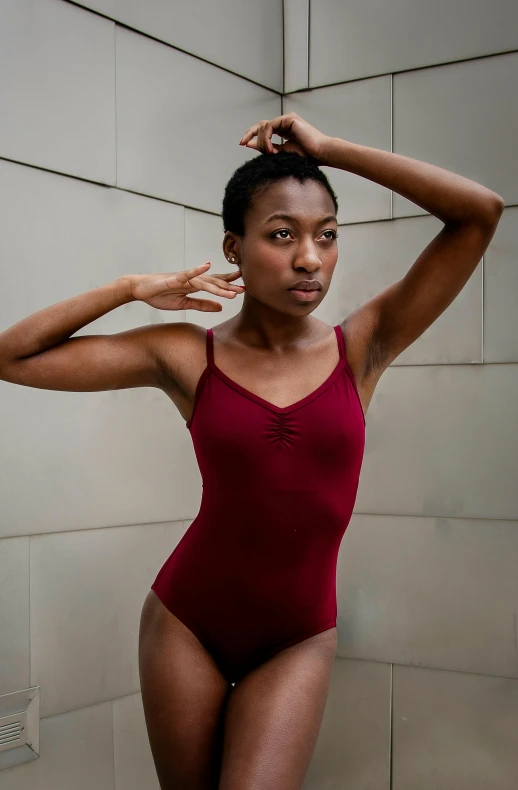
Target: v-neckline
column 292, row 406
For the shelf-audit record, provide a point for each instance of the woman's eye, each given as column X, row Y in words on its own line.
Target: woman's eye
column 334, row 234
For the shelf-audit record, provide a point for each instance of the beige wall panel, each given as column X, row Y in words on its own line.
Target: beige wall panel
column 57, row 88
column 460, row 117
column 454, row 730
column 440, row 442
column 360, row 113
column 179, row 122
column 353, row 747
column 351, row 40
column 431, row 592
column 76, row 753
column 134, row 766
column 14, row 614
column 296, row 44
column 243, row 36
column 87, row 592
column 501, row 291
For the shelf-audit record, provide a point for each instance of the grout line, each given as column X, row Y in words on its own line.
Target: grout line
column 113, row 744
column 283, row 55
column 112, row 700
column 308, row 41
column 408, row 71
column 107, row 186
column 391, row 725
column 180, row 520
column 392, row 138
column 94, row 704
column 197, row 208
column 513, row 520
column 273, row 90
column 30, row 607
column 184, row 235
column 168, row 44
column 428, row 667
column 115, row 97
column 483, row 306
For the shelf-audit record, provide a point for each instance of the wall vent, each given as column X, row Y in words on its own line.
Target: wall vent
column 19, row 727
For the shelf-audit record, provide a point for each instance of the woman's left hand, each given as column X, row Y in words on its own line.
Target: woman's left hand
column 300, row 136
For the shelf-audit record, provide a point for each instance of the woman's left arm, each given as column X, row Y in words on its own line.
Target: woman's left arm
column 446, row 195
column 397, row 316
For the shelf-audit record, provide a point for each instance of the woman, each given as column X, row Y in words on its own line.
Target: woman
column 238, row 633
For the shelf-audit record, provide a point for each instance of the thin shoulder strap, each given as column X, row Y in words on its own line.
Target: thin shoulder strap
column 210, row 348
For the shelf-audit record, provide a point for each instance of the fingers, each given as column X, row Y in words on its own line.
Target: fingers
column 264, row 130
column 188, row 274
column 237, row 288
column 204, row 305
column 204, row 284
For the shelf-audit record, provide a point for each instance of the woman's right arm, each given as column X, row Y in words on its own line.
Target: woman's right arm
column 39, row 352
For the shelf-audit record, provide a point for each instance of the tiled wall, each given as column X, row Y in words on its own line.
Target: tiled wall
column 132, row 106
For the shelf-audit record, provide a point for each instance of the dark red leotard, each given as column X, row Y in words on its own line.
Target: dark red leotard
column 256, row 570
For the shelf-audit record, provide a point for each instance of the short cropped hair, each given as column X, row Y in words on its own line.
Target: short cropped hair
column 260, row 171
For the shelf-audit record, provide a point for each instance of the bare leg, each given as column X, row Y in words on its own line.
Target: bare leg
column 274, row 715
column 184, row 696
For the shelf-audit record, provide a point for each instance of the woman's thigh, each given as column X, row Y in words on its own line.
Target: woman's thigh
column 274, row 715
column 184, row 697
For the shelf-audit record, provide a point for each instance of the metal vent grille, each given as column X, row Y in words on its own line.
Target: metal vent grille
column 19, row 727
column 12, row 731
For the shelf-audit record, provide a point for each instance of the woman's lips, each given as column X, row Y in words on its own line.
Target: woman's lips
column 304, row 296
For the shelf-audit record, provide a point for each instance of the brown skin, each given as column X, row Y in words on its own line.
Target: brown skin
column 274, row 255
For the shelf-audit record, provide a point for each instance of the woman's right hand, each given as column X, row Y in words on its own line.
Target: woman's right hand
column 170, row 291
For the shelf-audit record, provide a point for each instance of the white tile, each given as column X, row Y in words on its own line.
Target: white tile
column 203, row 243
column 57, row 88
column 431, row 592
column 84, row 235
column 452, row 730
column 134, row 766
column 441, row 442
column 353, row 747
column 374, row 255
column 359, row 113
column 179, row 122
column 76, row 753
column 14, row 614
column 296, row 44
column 474, row 127
column 350, row 40
column 241, row 35
column 501, row 291
column 120, row 454
column 79, row 460
column 87, row 592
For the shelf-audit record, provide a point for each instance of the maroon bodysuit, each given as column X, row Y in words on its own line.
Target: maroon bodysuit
column 255, row 572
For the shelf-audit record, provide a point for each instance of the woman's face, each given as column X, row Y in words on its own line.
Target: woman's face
column 277, row 252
